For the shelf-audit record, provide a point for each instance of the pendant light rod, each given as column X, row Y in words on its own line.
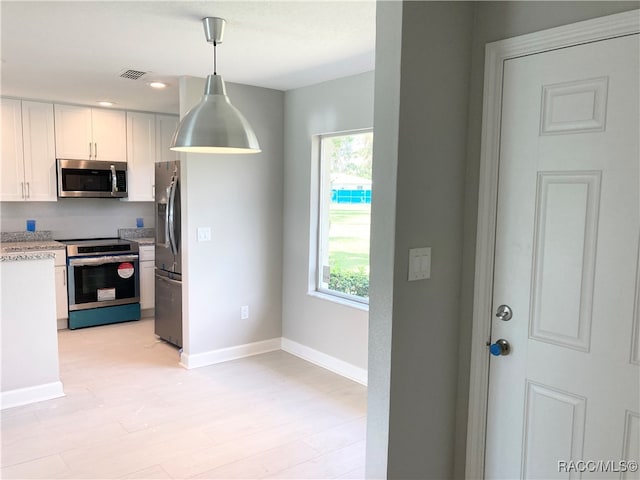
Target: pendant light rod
column 215, row 63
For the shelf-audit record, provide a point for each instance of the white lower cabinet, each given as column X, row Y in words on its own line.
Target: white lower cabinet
column 62, row 312
column 62, row 303
column 147, row 277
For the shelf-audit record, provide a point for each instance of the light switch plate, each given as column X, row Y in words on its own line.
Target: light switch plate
column 204, row 234
column 419, row 264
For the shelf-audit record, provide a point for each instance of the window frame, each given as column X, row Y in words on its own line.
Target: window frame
column 316, row 245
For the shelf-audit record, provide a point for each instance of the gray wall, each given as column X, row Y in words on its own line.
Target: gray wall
column 425, row 327
column 76, row 217
column 434, row 85
column 240, row 198
column 334, row 329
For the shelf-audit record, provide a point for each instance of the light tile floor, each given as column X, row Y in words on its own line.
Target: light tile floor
column 131, row 411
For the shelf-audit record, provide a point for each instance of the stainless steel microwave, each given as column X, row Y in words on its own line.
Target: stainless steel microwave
column 92, row 179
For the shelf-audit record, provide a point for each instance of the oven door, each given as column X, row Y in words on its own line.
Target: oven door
column 102, row 281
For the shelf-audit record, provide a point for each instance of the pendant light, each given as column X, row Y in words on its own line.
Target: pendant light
column 214, row 125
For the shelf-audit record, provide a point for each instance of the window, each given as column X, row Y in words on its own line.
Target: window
column 344, row 214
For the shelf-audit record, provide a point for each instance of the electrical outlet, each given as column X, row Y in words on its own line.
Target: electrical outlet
column 244, row 312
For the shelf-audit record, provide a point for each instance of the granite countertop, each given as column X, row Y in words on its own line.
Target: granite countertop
column 144, row 236
column 17, row 246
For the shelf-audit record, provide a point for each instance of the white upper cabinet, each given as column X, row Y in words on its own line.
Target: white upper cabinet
column 166, row 126
column 141, row 156
column 12, row 174
column 85, row 133
column 39, row 151
column 28, row 163
column 109, row 135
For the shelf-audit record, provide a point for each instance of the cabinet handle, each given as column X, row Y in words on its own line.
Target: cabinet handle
column 28, row 190
column 64, row 277
column 22, row 187
column 90, row 150
column 95, row 150
column 153, row 192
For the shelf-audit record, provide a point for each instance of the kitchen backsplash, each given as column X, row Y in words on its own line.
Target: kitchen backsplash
column 76, row 217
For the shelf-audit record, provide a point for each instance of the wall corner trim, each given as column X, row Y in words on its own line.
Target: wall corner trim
column 27, row 395
column 323, row 360
column 212, row 357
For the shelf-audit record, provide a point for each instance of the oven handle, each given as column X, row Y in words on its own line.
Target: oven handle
column 86, row 261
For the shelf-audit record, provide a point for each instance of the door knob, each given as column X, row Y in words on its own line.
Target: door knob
column 501, row 347
column 504, row 313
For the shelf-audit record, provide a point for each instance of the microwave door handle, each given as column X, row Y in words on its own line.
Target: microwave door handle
column 114, row 180
column 171, row 215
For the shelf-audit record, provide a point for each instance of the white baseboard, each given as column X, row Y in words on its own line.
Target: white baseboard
column 225, row 354
column 323, row 360
column 24, row 396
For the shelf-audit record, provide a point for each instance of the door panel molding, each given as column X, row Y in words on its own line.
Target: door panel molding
column 560, row 102
column 568, row 413
column 496, row 54
column 567, row 206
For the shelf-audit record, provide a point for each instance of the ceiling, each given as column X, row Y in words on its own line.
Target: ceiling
column 75, row 51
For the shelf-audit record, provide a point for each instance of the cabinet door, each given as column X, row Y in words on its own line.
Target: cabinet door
column 39, row 151
column 11, row 163
column 109, row 135
column 73, row 132
column 166, row 126
column 61, row 293
column 141, row 153
column 147, row 285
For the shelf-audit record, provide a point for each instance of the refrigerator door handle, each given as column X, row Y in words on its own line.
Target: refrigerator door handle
column 168, row 280
column 171, row 216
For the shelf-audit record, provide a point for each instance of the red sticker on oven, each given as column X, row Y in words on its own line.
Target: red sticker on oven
column 125, row 270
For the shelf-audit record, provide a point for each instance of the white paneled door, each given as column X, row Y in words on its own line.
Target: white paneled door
column 565, row 401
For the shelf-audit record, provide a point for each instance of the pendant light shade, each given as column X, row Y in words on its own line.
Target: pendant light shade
column 214, row 125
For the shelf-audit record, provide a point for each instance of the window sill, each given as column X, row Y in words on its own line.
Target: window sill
column 339, row 300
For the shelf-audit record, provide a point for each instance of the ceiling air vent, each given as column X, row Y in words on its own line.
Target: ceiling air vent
column 132, row 74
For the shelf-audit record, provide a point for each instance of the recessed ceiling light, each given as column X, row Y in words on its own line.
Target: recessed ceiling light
column 106, row 104
column 157, row 85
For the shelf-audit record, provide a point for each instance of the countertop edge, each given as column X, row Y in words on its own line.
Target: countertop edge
column 146, row 241
column 21, row 257
column 31, row 246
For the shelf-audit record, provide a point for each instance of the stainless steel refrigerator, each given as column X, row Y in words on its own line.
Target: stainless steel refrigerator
column 168, row 279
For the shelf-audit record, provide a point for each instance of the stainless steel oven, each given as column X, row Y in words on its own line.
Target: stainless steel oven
column 103, row 278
